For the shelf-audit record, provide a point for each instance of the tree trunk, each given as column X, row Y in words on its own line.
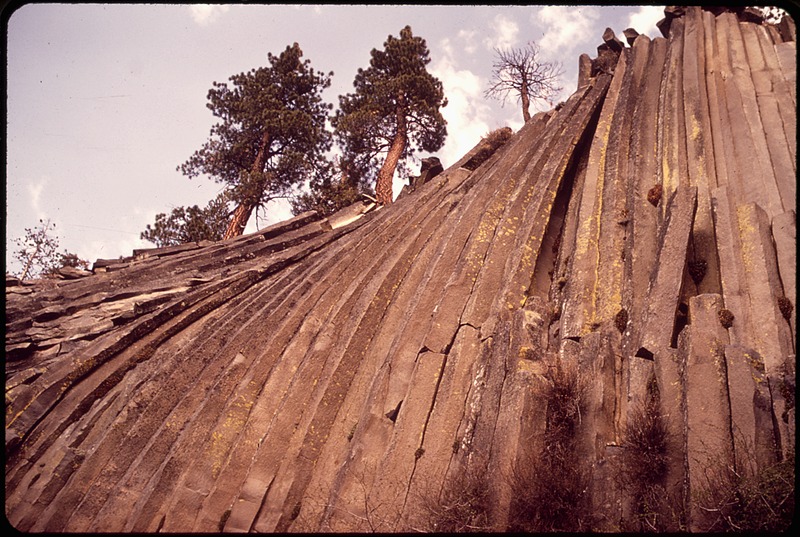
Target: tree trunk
column 29, row 263
column 239, row 220
column 245, row 208
column 345, row 180
column 526, row 102
column 383, row 185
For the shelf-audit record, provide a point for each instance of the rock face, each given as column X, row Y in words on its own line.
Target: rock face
column 411, row 367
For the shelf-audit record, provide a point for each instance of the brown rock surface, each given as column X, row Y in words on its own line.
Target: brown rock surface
column 353, row 373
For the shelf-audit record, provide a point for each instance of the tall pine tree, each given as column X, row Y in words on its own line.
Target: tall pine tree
column 393, row 111
column 271, row 136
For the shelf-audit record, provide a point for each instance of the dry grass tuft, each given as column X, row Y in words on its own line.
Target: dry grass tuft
column 489, row 144
column 759, row 503
column 549, row 489
column 644, row 465
column 462, row 507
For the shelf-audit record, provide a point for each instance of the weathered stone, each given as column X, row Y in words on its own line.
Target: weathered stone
column 663, row 26
column 751, row 411
column 610, row 39
column 788, row 29
column 584, row 70
column 709, row 445
column 630, row 35
column 606, row 60
column 350, row 214
column 700, row 150
column 757, row 180
column 72, row 273
column 665, row 283
column 669, row 369
column 784, row 234
column 751, row 14
column 579, row 311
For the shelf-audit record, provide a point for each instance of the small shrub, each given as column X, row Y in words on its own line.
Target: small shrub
column 489, row 144
column 786, row 307
column 762, row 502
column 621, row 320
column 549, row 488
column 645, row 441
column 654, row 195
column 697, row 270
column 725, row 318
column 644, row 465
column 463, row 505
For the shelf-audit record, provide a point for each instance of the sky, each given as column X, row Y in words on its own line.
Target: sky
column 104, row 101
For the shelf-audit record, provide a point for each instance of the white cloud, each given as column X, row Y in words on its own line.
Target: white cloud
column 468, row 39
column 205, row 14
column 566, row 26
column 467, row 113
column 35, row 191
column 644, row 20
column 505, row 32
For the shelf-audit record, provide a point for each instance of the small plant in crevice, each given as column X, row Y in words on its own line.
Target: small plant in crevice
column 623, row 217
column 725, row 318
column 697, row 270
column 654, row 195
column 786, row 307
column 224, row 519
column 550, row 487
column 352, row 431
column 488, row 145
column 621, row 320
column 787, row 388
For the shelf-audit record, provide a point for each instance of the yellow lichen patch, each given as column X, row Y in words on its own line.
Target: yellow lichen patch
column 695, row 125
column 216, row 451
column 745, row 216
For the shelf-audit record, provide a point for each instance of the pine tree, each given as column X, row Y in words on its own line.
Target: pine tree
column 393, row 111
column 190, row 224
column 340, row 184
column 272, row 135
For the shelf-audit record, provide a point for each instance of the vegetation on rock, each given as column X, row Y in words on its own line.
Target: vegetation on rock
column 550, row 490
column 488, row 145
column 522, row 73
column 271, row 136
column 37, row 252
column 190, row 224
column 394, row 110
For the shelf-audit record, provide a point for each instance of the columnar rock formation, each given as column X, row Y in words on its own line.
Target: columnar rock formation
column 316, row 376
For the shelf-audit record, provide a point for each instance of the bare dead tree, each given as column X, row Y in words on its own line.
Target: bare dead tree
column 522, row 73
